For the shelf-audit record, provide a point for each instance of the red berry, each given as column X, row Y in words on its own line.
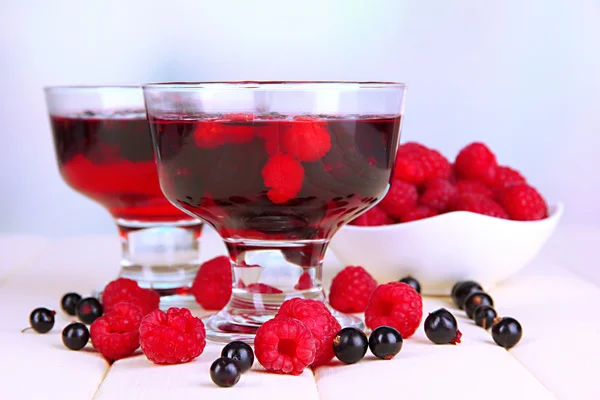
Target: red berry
column 523, row 203
column 438, row 194
column 262, row 288
column 306, row 138
column 401, row 198
column 124, row 290
column 476, row 162
column 230, row 128
column 351, row 289
column 478, row 204
column 417, row 213
column 473, row 187
column 173, row 337
column 373, row 217
column 395, row 304
column 304, row 282
column 416, row 163
column 284, row 345
column 209, row 134
column 212, row 285
column 116, row 334
column 506, row 177
column 318, row 319
column 283, row 175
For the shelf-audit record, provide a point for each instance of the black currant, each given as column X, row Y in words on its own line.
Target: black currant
column 507, row 332
column 484, row 316
column 41, row 320
column 385, row 342
column 350, row 345
column 441, row 327
column 88, row 310
column 75, row 336
column 409, row 280
column 240, row 352
column 462, row 290
column 475, row 300
column 225, row 372
column 69, row 302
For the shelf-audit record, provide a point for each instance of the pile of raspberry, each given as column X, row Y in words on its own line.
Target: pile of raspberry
column 426, row 184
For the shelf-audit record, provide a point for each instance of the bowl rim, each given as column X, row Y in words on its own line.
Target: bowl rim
column 554, row 213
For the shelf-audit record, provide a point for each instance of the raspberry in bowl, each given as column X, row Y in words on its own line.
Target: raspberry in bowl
column 443, row 222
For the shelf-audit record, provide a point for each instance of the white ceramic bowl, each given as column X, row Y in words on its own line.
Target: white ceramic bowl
column 441, row 250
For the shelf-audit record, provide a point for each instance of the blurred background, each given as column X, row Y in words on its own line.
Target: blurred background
column 524, row 77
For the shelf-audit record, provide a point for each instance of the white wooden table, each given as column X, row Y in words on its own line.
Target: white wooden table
column 555, row 299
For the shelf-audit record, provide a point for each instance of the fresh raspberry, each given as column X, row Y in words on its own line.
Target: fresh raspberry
column 438, row 194
column 395, row 304
column 212, row 285
column 478, row 204
column 523, row 203
column 209, row 134
column 318, row 319
column 473, row 187
column 401, row 198
column 373, row 217
column 284, row 345
column 284, row 176
column 416, row 163
column 417, row 213
column 304, row 282
column 238, row 127
column 506, row 176
column 173, row 337
column 351, row 289
column 124, row 290
column 476, row 162
column 116, row 334
column 305, row 138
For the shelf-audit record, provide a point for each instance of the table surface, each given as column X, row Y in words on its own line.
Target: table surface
column 551, row 298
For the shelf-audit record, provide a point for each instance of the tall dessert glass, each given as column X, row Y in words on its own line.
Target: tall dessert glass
column 104, row 151
column 276, row 168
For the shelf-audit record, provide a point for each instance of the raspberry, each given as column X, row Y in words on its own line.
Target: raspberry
column 284, row 345
column 318, row 319
column 401, row 198
column 476, row 162
column 395, row 304
column 416, row 163
column 209, row 134
column 212, row 285
column 304, row 282
column 351, row 289
column 523, row 203
column 124, row 290
column 478, row 204
column 284, row 176
column 306, row 139
column 173, row 337
column 262, row 288
column 506, row 177
column 230, row 128
column 438, row 194
column 116, row 334
column 420, row 212
column 373, row 217
column 473, row 187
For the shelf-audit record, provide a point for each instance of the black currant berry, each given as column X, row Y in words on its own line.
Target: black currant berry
column 484, row 316
column 409, row 280
column 69, row 302
column 385, row 342
column 475, row 300
column 441, row 327
column 88, row 310
column 75, row 336
column 41, row 320
column 462, row 290
column 225, row 372
column 507, row 332
column 350, row 345
column 240, row 352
